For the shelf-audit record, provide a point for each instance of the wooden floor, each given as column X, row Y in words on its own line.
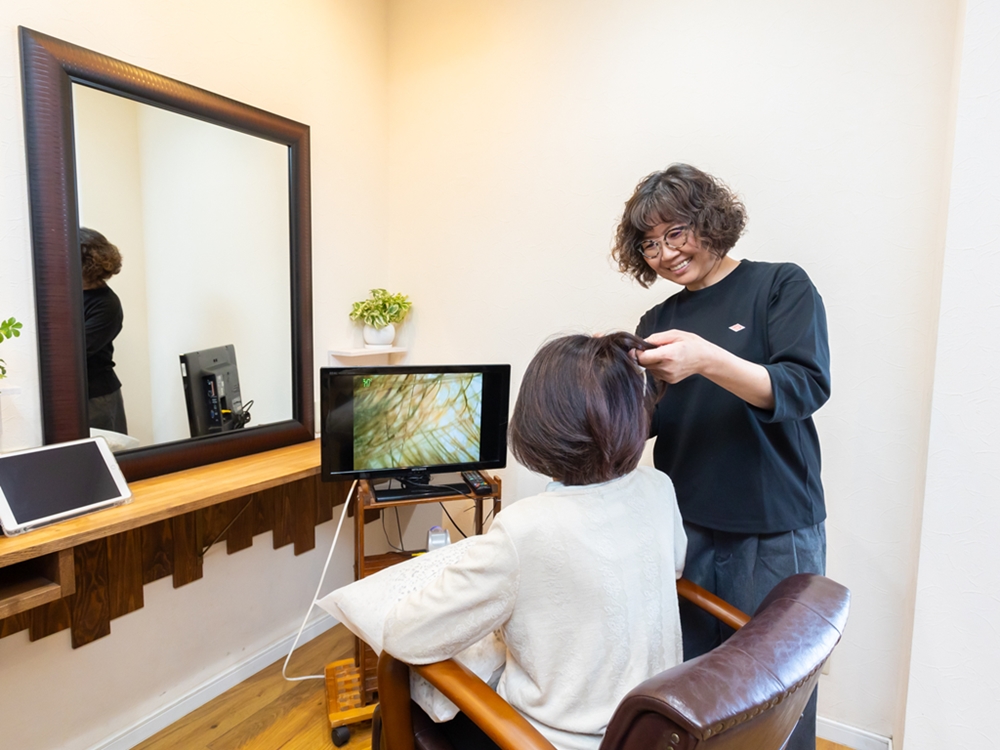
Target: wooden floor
column 268, row 713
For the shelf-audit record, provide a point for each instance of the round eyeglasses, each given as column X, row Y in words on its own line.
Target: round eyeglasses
column 673, row 238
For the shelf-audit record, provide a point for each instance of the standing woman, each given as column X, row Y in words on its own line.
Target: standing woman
column 743, row 347
column 102, row 320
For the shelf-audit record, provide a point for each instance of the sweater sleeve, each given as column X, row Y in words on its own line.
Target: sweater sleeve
column 680, row 542
column 470, row 599
column 799, row 350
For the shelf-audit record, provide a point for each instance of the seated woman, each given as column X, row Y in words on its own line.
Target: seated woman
column 580, row 579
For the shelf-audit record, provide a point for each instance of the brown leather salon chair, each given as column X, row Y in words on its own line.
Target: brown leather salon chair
column 748, row 693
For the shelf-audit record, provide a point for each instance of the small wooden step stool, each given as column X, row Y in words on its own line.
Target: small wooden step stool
column 344, row 699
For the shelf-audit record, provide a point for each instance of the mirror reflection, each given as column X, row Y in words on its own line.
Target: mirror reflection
column 200, row 215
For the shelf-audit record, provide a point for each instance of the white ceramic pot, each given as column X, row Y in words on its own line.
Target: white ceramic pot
column 379, row 338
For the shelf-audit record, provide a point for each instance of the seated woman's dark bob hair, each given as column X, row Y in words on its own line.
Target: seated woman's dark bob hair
column 582, row 414
column 680, row 194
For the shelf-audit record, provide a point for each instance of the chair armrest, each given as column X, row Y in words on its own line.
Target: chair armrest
column 712, row 604
column 394, row 698
column 477, row 700
column 474, row 698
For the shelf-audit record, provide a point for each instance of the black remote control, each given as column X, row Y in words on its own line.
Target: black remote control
column 477, row 482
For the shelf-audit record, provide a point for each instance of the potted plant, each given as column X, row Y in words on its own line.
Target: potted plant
column 380, row 312
column 9, row 329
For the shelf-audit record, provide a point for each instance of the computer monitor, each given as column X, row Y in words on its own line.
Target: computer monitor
column 410, row 422
column 212, row 391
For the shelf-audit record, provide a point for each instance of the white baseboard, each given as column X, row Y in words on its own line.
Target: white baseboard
column 858, row 739
column 167, row 715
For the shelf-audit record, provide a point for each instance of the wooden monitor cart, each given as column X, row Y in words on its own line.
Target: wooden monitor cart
column 366, row 509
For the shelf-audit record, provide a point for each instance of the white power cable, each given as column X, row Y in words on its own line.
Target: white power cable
column 315, row 598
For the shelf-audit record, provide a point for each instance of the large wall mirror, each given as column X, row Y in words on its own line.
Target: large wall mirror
column 208, row 201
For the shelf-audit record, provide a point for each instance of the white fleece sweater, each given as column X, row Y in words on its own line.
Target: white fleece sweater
column 581, row 583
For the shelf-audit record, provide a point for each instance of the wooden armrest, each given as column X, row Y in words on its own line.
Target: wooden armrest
column 712, row 604
column 480, row 702
column 394, row 697
column 474, row 698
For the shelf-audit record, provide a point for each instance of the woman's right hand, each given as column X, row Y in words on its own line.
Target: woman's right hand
column 681, row 354
column 678, row 355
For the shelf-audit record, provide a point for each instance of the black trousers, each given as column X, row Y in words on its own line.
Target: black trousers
column 742, row 569
column 464, row 735
column 108, row 412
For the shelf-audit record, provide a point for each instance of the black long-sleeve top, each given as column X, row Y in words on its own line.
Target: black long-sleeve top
column 736, row 467
column 102, row 321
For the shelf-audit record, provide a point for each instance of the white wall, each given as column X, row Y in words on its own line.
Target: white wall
column 518, row 130
column 953, row 686
column 315, row 61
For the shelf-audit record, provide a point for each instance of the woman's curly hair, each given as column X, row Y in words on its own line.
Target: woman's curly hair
column 100, row 259
column 679, row 194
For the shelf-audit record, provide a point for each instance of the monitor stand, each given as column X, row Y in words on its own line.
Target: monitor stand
column 416, row 486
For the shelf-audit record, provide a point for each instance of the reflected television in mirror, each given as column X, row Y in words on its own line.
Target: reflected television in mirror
column 212, row 391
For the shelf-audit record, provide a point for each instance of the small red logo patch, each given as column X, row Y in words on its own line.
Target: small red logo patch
column 736, row 328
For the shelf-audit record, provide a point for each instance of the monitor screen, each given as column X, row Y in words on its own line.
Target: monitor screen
column 391, row 421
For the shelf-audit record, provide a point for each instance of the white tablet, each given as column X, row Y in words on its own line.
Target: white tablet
column 43, row 485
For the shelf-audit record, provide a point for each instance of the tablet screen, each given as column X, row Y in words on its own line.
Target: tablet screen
column 44, row 483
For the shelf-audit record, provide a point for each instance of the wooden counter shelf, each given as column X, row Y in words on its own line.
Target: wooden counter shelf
column 170, row 495
column 83, row 572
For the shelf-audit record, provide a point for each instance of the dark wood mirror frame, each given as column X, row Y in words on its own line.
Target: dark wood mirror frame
column 48, row 68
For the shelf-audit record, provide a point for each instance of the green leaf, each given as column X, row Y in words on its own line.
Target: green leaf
column 9, row 328
column 381, row 308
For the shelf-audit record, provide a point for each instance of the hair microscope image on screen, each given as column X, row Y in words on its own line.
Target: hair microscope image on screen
column 419, row 419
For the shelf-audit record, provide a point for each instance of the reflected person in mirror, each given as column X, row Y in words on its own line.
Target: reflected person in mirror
column 102, row 320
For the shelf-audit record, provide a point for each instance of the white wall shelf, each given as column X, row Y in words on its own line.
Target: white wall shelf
column 363, row 352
